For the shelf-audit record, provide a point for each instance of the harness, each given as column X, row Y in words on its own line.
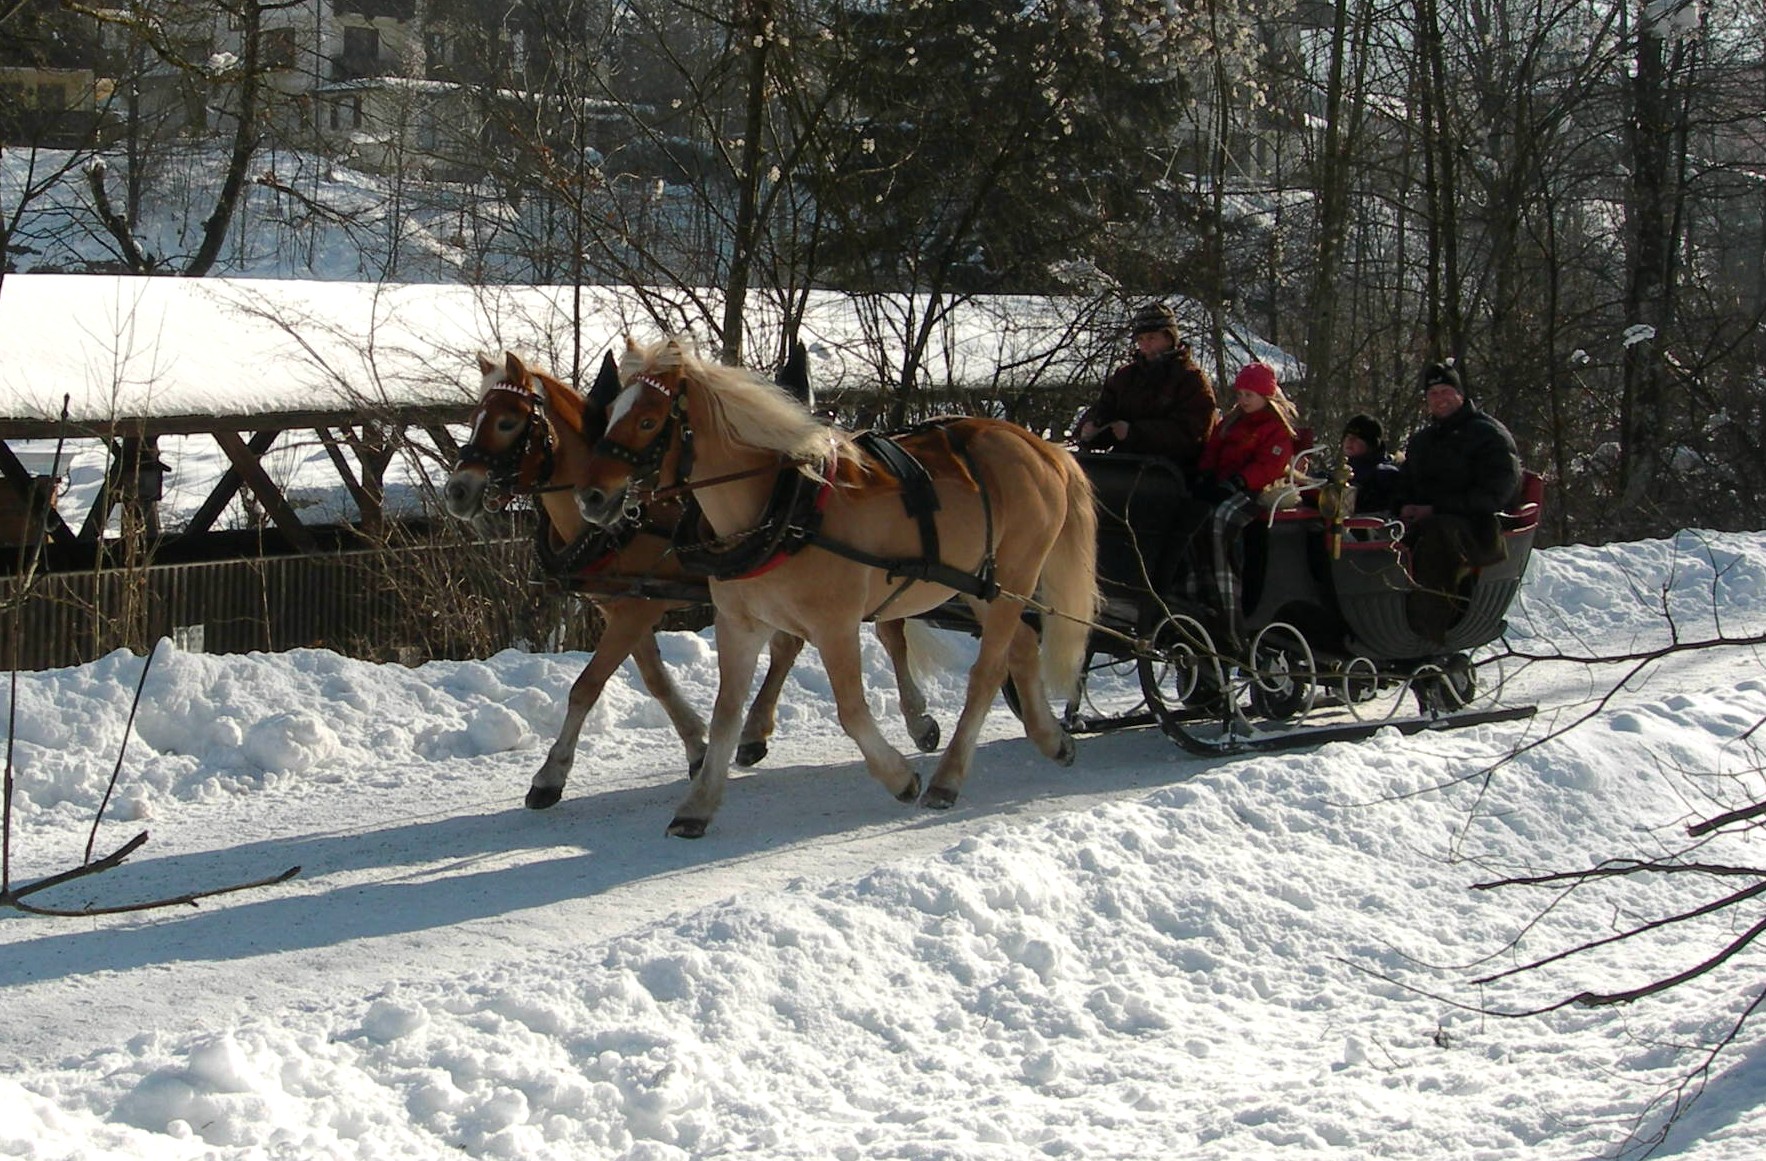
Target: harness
column 591, row 552
column 594, row 548
column 792, row 521
column 921, row 502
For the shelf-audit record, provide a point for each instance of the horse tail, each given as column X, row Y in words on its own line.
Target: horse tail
column 1069, row 585
column 929, row 652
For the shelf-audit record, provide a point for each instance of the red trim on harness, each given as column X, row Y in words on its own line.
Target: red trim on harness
column 600, row 564
column 779, row 557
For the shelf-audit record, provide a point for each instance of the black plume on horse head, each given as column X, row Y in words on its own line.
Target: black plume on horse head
column 794, row 375
column 606, row 388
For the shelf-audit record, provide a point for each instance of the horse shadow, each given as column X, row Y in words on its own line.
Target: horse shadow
column 436, row 872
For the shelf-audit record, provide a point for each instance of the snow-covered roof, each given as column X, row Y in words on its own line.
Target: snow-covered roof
column 157, row 347
column 123, row 347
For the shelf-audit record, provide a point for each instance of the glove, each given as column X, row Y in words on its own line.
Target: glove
column 1210, row 491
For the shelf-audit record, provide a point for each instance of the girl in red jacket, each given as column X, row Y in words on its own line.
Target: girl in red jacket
column 1251, row 449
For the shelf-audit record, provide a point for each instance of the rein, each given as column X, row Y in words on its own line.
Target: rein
column 687, row 487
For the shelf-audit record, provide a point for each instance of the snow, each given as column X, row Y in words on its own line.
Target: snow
column 172, row 347
column 1144, row 955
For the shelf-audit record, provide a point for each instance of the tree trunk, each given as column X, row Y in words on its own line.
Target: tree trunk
column 245, row 144
column 1330, row 188
column 747, row 225
column 1649, row 291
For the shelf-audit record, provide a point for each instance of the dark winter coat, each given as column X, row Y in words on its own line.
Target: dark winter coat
column 1167, row 402
column 1252, row 448
column 1375, row 476
column 1465, row 465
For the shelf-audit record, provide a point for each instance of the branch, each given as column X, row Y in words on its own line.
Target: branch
column 116, row 858
column 137, row 259
column 116, row 771
column 1616, row 869
column 1700, row 829
column 15, row 898
column 1654, row 925
column 1606, row 999
column 1644, row 656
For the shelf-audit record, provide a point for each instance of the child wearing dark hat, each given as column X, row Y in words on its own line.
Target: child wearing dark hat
column 1371, row 470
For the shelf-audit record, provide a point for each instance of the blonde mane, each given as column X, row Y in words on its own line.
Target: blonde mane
column 750, row 409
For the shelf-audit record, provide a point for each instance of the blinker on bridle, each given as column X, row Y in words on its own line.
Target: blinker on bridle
column 503, row 470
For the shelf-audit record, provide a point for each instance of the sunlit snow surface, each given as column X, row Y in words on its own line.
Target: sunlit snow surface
column 1144, row 955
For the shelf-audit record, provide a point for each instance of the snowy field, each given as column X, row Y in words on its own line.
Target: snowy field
column 1144, row 955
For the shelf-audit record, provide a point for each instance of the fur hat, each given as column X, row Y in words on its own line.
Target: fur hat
column 1443, row 374
column 1368, row 430
column 1257, row 378
column 1154, row 316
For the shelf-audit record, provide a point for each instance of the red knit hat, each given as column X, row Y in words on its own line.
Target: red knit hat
column 1258, row 378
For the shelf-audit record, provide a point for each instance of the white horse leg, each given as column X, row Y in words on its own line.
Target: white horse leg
column 627, row 629
column 922, row 727
column 739, row 642
column 763, row 715
column 1000, row 620
column 840, row 656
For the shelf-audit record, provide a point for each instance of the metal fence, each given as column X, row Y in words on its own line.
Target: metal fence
column 405, row 604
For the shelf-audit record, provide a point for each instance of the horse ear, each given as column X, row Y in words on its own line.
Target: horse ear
column 794, row 375
column 516, row 369
column 485, row 365
column 607, row 386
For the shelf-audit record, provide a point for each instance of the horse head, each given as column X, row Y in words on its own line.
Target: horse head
column 640, row 422
column 509, row 448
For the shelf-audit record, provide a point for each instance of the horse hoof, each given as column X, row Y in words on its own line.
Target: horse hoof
column 926, row 734
column 939, row 798
column 687, row 827
column 694, row 767
column 913, row 789
column 1066, row 751
column 749, row 753
column 540, row 797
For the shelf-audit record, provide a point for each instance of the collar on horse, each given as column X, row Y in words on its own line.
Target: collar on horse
column 793, row 517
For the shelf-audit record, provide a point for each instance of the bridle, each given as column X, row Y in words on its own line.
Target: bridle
column 504, row 469
column 646, row 462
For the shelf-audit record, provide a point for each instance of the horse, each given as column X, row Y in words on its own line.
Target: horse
column 530, row 435
column 821, row 535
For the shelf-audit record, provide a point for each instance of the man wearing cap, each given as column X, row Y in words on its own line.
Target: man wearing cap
column 1159, row 402
column 1460, row 469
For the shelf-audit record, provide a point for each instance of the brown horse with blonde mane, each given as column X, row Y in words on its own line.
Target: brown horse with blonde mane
column 531, row 435
column 1004, row 516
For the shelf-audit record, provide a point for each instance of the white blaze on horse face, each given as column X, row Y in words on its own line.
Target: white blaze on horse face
column 627, row 399
column 477, row 427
